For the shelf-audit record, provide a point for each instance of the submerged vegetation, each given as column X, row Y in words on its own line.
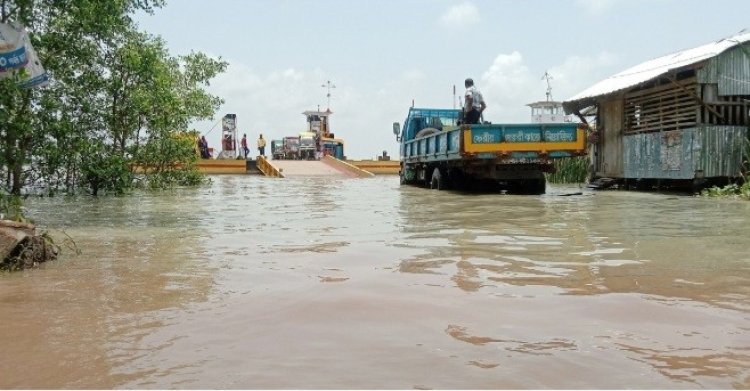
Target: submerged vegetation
column 570, row 170
column 741, row 189
column 731, row 190
column 115, row 108
column 10, row 207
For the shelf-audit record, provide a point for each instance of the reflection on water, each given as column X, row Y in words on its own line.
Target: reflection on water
column 345, row 283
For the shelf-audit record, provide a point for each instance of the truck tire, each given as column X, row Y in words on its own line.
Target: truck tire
column 533, row 186
column 541, row 186
column 438, row 180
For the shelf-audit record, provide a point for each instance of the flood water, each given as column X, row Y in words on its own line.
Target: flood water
column 359, row 283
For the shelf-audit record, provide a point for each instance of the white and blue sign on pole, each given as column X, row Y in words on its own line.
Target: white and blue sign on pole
column 17, row 57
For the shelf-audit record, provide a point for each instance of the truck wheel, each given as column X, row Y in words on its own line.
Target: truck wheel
column 438, row 181
column 541, row 186
column 533, row 186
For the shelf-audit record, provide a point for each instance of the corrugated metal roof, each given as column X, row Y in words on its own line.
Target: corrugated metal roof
column 657, row 67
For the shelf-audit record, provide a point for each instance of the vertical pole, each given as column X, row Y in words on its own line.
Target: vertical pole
column 454, row 96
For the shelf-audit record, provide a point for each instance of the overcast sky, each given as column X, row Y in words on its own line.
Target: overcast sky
column 383, row 54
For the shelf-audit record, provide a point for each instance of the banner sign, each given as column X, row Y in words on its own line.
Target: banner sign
column 18, row 56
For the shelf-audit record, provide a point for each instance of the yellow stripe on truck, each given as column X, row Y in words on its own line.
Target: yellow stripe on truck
column 542, row 146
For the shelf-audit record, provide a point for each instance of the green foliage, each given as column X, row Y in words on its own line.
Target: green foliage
column 570, row 170
column 11, row 207
column 102, row 170
column 732, row 190
column 116, row 101
column 171, row 161
column 176, row 178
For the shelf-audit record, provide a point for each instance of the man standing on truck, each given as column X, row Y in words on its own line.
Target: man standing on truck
column 473, row 103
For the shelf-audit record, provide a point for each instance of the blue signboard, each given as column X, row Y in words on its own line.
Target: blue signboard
column 13, row 59
column 532, row 133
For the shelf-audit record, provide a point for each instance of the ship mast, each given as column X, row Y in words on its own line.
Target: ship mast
column 548, row 77
column 328, row 85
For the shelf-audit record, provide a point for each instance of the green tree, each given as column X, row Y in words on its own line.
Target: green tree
column 114, row 105
column 154, row 98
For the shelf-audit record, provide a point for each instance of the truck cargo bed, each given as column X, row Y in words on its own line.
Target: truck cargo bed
column 510, row 143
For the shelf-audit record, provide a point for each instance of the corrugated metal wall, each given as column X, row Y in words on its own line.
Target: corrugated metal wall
column 665, row 155
column 721, row 150
column 716, row 150
column 730, row 70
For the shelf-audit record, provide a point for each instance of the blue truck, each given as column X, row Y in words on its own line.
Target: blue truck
column 439, row 152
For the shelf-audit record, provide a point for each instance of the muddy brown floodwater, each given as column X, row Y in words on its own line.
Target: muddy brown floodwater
column 360, row 283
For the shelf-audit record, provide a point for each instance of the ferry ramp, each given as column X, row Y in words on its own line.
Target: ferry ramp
column 326, row 167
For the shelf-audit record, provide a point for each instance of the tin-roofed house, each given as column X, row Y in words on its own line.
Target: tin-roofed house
column 677, row 119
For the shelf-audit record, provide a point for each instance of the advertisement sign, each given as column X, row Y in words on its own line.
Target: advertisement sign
column 18, row 57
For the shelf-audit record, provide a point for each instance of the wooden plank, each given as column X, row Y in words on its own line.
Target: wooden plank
column 663, row 87
column 658, row 100
column 669, row 107
column 646, row 106
column 685, row 102
column 654, row 117
column 666, row 126
column 656, row 96
column 693, row 94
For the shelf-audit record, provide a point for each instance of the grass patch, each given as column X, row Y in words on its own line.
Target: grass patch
column 569, row 170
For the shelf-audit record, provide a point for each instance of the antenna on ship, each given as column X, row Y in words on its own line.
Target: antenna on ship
column 548, row 77
column 454, row 96
column 328, row 86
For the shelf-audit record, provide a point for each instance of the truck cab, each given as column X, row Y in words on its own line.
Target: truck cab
column 307, row 145
column 277, row 149
column 291, row 148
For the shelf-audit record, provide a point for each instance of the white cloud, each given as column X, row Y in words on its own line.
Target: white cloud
column 462, row 15
column 597, row 7
column 577, row 73
column 414, row 75
column 508, row 85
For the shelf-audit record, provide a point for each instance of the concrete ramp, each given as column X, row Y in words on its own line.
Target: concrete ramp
column 327, row 167
column 302, row 168
column 349, row 169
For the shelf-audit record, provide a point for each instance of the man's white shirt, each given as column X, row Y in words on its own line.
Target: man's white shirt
column 476, row 97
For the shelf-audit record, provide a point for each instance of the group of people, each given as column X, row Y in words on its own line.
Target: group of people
column 206, row 153
column 261, row 145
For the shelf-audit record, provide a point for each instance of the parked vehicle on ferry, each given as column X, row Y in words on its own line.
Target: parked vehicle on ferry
column 291, row 148
column 277, row 149
column 307, row 145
